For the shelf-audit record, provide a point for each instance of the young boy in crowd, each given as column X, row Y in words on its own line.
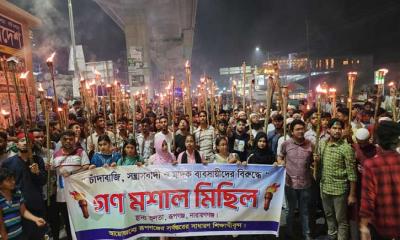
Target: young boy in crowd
column 12, row 208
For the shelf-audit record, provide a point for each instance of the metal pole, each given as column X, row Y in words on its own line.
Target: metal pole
column 72, row 32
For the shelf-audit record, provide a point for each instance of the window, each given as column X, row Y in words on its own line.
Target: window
column 345, row 62
column 332, row 63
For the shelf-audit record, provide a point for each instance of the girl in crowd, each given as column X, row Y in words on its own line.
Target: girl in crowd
column 80, row 141
column 222, row 156
column 129, row 154
column 261, row 153
column 191, row 155
column 162, row 155
column 106, row 156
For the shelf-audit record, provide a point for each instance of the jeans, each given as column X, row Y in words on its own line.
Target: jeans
column 335, row 208
column 303, row 197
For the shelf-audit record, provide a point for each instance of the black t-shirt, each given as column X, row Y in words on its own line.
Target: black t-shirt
column 239, row 144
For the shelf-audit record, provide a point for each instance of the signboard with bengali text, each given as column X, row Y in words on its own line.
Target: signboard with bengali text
column 184, row 200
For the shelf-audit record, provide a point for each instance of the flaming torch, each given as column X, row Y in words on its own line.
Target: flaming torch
column 45, row 110
column 270, row 91
column 50, row 65
column 351, row 77
column 25, row 77
column 12, row 64
column 5, row 72
column 269, row 194
column 83, row 204
column 319, row 90
column 332, row 93
column 189, row 98
column 6, row 116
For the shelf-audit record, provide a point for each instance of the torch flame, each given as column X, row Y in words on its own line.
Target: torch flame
column 87, row 86
column 273, row 188
column 187, row 65
column 97, row 73
column 332, row 90
column 4, row 112
column 50, row 59
column 108, row 86
column 391, row 84
column 60, row 109
column 82, row 78
column 24, row 75
column 319, row 89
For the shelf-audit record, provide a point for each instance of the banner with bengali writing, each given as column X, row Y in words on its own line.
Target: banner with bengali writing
column 184, row 200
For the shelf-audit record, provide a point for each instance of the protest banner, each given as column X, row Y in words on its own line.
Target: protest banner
column 184, row 200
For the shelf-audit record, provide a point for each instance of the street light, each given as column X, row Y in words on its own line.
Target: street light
column 257, row 49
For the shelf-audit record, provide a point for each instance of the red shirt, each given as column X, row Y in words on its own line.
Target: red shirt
column 380, row 197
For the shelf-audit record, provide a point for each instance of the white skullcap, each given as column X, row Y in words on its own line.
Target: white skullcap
column 384, row 119
column 362, row 134
column 254, row 114
column 289, row 120
column 273, row 113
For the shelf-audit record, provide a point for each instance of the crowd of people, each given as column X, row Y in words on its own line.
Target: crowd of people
column 349, row 170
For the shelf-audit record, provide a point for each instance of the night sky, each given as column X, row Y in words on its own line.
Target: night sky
column 227, row 31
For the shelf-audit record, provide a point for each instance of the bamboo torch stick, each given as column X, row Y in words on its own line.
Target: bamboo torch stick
column 12, row 63
column 244, row 85
column 351, row 77
column 50, row 65
column 332, row 92
column 189, row 98
column 47, row 123
column 393, row 94
column 285, row 97
column 5, row 72
column 233, row 93
column 24, row 83
column 319, row 90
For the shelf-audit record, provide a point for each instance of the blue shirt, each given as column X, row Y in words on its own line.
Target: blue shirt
column 12, row 215
column 99, row 159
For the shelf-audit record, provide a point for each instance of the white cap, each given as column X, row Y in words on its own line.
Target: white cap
column 384, row 119
column 362, row 134
column 289, row 121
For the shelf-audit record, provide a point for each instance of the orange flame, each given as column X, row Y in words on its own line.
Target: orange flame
column 60, row 109
column 40, row 88
column 319, row 89
column 391, row 84
column 87, row 86
column 187, row 64
column 273, row 188
column 50, row 59
column 108, row 86
column 82, row 78
column 24, row 75
column 4, row 112
column 332, row 90
column 97, row 73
